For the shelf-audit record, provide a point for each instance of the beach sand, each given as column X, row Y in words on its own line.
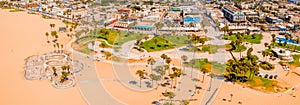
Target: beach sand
column 23, row 35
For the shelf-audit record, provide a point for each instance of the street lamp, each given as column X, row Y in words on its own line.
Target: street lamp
column 231, row 97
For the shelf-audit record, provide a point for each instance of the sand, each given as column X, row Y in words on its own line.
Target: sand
column 23, row 35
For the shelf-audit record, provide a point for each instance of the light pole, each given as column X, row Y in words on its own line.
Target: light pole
column 231, row 97
column 211, row 76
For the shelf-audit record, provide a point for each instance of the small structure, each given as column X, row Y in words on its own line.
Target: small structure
column 62, row 29
column 283, row 54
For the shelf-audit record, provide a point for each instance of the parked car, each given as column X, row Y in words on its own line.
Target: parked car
column 266, row 76
column 271, row 77
column 275, row 76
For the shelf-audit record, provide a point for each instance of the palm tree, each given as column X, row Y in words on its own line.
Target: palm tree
column 264, row 54
column 170, row 95
column 47, row 34
column 177, row 72
column 151, row 61
column 184, row 58
column 172, row 76
column 102, row 45
column 211, row 75
column 164, row 57
column 193, row 62
column 54, row 71
column 273, row 38
column 154, row 77
column 168, row 61
column 141, row 74
column 61, row 47
column 158, row 26
column 203, row 70
column 266, row 44
column 155, row 41
column 54, row 45
column 161, row 70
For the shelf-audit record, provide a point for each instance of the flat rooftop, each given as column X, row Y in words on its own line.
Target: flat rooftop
column 232, row 9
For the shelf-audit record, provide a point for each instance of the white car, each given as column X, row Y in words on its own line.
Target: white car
column 286, row 68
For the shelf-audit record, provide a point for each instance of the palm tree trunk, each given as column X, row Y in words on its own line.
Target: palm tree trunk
column 152, row 83
column 193, row 64
column 203, row 78
column 171, row 84
column 140, row 82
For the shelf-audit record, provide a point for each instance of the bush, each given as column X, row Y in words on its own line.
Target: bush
column 205, row 60
column 266, row 66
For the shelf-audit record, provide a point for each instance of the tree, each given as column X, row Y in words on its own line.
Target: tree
column 266, row 44
column 151, row 61
column 177, row 72
column 273, row 38
column 155, row 41
column 47, row 34
column 141, row 74
column 158, row 25
column 155, row 78
column 161, row 70
column 170, row 95
column 54, row 45
column 163, row 56
column 203, row 70
column 102, row 45
column 61, row 47
column 184, row 58
column 172, row 76
column 168, row 61
column 205, row 30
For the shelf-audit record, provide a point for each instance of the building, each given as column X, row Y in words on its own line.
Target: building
column 293, row 1
column 233, row 14
column 270, row 19
column 282, row 54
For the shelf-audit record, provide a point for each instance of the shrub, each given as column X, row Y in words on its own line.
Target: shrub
column 266, row 66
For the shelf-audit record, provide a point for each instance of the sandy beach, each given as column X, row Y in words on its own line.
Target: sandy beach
column 23, row 35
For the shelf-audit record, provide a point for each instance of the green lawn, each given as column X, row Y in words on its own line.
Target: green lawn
column 114, row 37
column 236, row 48
column 176, row 40
column 296, row 60
column 246, row 38
column 288, row 46
column 162, row 44
column 16, row 10
column 198, row 63
column 213, row 67
column 105, row 44
column 263, row 84
column 127, row 36
column 218, row 68
column 211, row 49
column 165, row 42
column 68, row 22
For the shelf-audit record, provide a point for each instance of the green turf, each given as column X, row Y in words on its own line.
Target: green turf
column 246, row 38
column 162, row 44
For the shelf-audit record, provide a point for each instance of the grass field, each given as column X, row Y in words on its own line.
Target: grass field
column 16, row 10
column 211, row 49
column 176, row 40
column 263, row 84
column 157, row 44
column 213, row 67
column 246, row 38
column 236, row 48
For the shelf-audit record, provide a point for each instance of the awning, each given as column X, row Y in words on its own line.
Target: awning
column 121, row 25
